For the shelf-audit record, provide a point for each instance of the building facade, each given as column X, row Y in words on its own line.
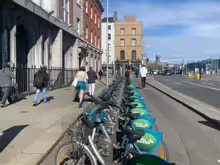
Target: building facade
column 90, row 43
column 110, row 33
column 49, row 32
column 128, row 41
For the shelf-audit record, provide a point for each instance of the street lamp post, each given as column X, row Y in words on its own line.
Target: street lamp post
column 107, row 46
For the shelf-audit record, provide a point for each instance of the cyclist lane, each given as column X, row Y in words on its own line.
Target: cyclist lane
column 28, row 132
column 190, row 139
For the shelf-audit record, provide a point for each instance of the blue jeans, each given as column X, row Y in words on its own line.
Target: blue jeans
column 38, row 92
column 6, row 95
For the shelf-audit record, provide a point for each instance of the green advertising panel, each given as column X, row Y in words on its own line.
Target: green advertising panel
column 146, row 143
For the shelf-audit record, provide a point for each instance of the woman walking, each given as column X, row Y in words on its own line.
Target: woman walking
column 81, row 77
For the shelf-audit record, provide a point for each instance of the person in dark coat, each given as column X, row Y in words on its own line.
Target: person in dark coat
column 41, row 82
column 100, row 74
column 92, row 76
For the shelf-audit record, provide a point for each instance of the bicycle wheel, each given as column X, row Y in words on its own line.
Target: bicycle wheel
column 74, row 153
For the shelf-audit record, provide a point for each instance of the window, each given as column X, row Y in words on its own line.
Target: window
column 123, row 31
column 109, row 47
column 65, row 11
column 122, row 41
column 95, row 18
column 109, row 27
column 87, row 32
column 87, row 6
column 98, row 22
column 78, row 25
column 122, row 55
column 133, row 42
column 109, row 36
column 91, row 37
column 98, row 42
column 133, row 31
column 133, row 55
column 95, row 40
column 91, row 12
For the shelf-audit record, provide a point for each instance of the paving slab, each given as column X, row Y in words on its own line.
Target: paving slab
column 27, row 132
column 199, row 107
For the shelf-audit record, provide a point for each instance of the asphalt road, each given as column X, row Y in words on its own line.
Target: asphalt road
column 191, row 139
column 205, row 91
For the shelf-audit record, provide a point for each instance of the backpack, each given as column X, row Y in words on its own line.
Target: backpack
column 127, row 74
column 39, row 80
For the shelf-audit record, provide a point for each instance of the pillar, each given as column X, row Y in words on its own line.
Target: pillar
column 57, row 47
column 38, row 52
column 13, row 58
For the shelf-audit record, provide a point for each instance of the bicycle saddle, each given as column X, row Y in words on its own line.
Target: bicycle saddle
column 133, row 135
column 132, row 116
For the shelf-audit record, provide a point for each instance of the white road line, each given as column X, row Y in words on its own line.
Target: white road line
column 177, row 83
column 208, row 83
column 216, row 89
column 1, row 133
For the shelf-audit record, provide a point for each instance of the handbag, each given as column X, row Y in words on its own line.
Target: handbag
column 75, row 81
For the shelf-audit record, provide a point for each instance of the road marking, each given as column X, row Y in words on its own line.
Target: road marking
column 177, row 83
column 1, row 133
column 216, row 89
column 208, row 83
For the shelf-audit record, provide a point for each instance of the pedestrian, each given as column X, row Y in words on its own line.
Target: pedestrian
column 143, row 73
column 130, row 72
column 92, row 76
column 41, row 82
column 81, row 78
column 6, row 76
column 137, row 72
column 100, row 74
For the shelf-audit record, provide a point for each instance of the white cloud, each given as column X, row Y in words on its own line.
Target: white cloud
column 201, row 19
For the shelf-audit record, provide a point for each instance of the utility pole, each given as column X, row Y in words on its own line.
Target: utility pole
column 107, row 46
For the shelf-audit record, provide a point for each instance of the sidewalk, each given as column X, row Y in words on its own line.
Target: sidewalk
column 29, row 132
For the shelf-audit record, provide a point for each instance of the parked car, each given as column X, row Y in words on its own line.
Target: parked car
column 167, row 72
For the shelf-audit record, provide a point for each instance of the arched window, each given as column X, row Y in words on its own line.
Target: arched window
column 122, row 55
column 133, row 55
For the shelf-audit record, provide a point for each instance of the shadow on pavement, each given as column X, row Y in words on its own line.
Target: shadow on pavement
column 9, row 134
column 48, row 100
column 16, row 100
column 210, row 124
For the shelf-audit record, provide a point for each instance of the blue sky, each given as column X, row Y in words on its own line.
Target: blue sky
column 175, row 29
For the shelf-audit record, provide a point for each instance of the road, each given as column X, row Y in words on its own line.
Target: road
column 205, row 91
column 191, row 139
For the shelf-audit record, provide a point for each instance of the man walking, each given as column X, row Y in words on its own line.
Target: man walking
column 6, row 76
column 92, row 76
column 41, row 81
column 143, row 73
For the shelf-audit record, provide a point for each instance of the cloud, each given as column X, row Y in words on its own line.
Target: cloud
column 176, row 29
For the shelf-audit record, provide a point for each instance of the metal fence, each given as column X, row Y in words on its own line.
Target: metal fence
column 23, row 84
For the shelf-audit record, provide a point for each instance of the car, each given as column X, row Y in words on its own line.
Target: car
column 167, row 73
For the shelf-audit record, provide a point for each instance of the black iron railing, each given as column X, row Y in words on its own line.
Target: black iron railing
column 23, row 84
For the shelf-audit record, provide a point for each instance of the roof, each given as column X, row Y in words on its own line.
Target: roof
column 110, row 19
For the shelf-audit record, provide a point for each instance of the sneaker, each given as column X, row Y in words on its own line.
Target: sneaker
column 34, row 104
column 2, row 105
column 80, row 105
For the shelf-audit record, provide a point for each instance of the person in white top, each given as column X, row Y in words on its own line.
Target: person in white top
column 143, row 73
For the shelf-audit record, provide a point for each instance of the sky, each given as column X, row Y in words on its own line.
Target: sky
column 177, row 30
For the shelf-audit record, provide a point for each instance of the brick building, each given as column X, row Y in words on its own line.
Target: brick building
column 90, row 44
